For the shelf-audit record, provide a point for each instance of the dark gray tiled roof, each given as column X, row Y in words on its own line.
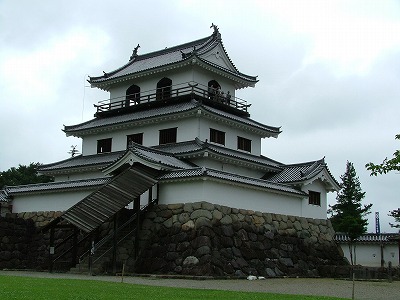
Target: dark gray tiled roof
column 182, row 147
column 152, row 60
column 159, row 157
column 166, row 110
column 369, row 238
column 3, row 196
column 185, row 149
column 99, row 160
column 199, row 172
column 298, row 172
column 274, row 131
column 132, row 117
column 170, row 56
column 51, row 186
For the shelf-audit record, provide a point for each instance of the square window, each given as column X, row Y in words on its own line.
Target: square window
column 135, row 138
column 244, row 144
column 314, row 198
column 104, row 145
column 217, row 136
column 168, row 136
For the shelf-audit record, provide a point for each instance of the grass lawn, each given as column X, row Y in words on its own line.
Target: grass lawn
column 15, row 287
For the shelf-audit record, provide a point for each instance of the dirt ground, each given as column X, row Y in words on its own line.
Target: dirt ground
column 372, row 290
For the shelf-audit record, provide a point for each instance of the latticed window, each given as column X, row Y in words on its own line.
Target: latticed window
column 135, row 138
column 168, row 136
column 217, row 136
column 314, row 198
column 243, row 144
column 104, row 145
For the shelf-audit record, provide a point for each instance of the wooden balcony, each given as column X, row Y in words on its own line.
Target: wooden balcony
column 172, row 94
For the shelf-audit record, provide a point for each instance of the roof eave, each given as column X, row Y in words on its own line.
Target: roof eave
column 106, row 84
column 132, row 123
column 263, row 132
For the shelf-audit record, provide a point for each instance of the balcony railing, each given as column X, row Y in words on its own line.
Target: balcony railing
column 183, row 91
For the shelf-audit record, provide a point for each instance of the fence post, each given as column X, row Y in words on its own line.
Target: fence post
column 91, row 253
column 51, row 250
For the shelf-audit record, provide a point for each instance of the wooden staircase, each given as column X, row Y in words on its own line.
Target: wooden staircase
column 119, row 247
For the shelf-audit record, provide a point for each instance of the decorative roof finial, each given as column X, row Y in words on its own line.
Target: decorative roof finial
column 134, row 52
column 215, row 28
column 216, row 32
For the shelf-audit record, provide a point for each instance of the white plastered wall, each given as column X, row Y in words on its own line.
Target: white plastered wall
column 55, row 201
column 369, row 255
column 315, row 211
column 229, row 195
column 188, row 129
column 187, row 74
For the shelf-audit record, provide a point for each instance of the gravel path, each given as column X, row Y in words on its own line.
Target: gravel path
column 372, row 290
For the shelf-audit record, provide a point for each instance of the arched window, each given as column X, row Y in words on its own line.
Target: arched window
column 213, row 87
column 132, row 94
column 164, row 89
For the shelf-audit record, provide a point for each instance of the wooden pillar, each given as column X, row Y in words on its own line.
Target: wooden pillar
column 137, row 211
column 381, row 246
column 158, row 193
column 75, row 247
column 398, row 242
column 114, row 253
column 91, row 253
column 150, row 195
column 51, row 249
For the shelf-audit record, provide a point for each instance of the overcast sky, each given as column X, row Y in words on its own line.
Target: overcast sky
column 329, row 74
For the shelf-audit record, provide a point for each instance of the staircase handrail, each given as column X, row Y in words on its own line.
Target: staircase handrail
column 70, row 248
column 108, row 237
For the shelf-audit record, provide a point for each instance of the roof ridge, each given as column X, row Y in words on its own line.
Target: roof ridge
column 150, row 149
column 308, row 163
column 8, row 188
column 237, row 73
column 152, row 54
column 209, row 172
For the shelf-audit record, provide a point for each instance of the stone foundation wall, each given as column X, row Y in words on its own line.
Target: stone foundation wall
column 207, row 239
column 21, row 246
column 40, row 218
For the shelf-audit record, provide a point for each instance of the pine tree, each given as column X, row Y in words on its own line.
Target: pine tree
column 348, row 214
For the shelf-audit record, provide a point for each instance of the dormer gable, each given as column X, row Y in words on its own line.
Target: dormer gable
column 218, row 57
column 151, row 158
column 305, row 173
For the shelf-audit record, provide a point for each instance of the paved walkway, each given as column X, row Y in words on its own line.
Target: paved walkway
column 367, row 290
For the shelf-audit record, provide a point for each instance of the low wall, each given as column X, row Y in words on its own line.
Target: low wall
column 206, row 239
column 39, row 218
column 21, row 246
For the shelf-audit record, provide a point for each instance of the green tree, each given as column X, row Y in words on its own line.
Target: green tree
column 396, row 215
column 387, row 165
column 348, row 215
column 22, row 175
